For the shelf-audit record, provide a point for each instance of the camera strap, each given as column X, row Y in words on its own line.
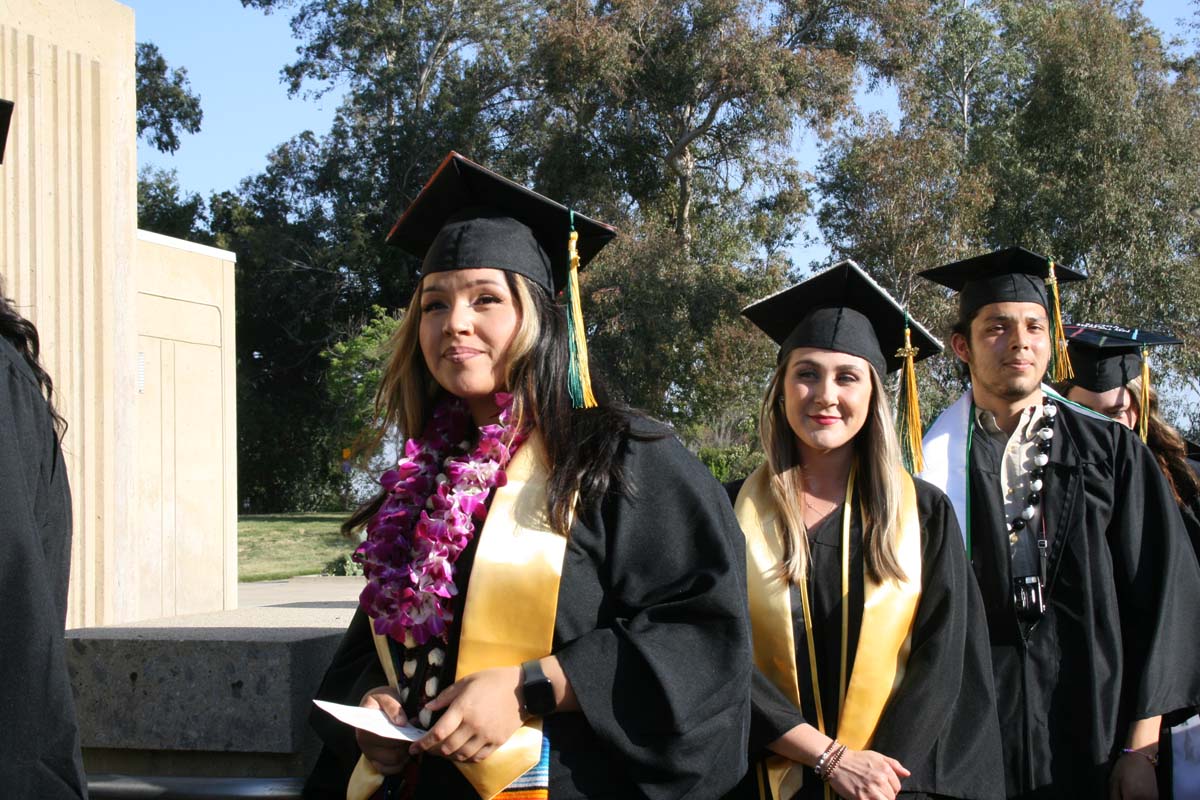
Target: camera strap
column 1043, row 547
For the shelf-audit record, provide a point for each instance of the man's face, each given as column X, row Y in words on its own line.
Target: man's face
column 1008, row 349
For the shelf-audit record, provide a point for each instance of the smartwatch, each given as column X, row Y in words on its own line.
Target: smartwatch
column 537, row 692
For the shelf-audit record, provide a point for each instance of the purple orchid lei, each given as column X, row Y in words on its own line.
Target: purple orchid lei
column 436, row 496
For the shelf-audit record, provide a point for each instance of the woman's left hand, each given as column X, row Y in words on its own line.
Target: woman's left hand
column 481, row 712
column 1133, row 778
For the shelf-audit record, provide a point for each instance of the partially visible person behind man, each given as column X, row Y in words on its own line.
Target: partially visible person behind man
column 39, row 740
column 1112, row 376
column 1088, row 582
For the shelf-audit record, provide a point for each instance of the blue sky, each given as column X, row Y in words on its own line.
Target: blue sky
column 233, row 56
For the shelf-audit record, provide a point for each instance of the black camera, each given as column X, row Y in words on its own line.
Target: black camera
column 1028, row 599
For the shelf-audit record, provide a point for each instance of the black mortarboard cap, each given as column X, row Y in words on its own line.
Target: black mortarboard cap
column 467, row 216
column 1107, row 356
column 6, row 110
column 845, row 310
column 1013, row 274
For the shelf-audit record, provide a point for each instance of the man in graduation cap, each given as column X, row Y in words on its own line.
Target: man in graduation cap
column 1088, row 582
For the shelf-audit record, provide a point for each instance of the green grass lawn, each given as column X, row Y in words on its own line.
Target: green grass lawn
column 277, row 546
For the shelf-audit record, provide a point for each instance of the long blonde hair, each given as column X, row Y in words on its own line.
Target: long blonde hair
column 878, row 482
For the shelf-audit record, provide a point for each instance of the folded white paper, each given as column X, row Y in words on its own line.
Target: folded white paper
column 372, row 720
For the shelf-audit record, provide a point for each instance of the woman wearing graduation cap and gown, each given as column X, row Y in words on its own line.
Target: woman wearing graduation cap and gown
column 1112, row 376
column 555, row 592
column 1088, row 582
column 873, row 674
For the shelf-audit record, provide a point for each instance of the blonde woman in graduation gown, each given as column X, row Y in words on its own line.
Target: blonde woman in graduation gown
column 869, row 634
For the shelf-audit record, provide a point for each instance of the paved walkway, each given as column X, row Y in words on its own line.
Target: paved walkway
column 328, row 590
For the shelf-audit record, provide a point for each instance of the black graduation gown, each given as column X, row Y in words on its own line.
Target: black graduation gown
column 940, row 724
column 39, row 739
column 1190, row 511
column 651, row 630
column 1114, row 645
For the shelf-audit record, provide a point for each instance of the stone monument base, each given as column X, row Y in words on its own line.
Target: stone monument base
column 207, row 699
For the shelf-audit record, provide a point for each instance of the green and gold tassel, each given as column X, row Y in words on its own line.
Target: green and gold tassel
column 1060, row 361
column 910, row 407
column 1144, row 396
column 578, row 376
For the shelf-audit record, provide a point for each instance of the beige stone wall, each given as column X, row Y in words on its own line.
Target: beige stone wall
column 150, row 451
column 185, row 556
column 67, row 221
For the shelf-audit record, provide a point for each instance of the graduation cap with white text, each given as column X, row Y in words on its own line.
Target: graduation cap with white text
column 1106, row 356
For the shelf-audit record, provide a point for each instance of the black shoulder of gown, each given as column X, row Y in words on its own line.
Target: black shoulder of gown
column 39, row 739
column 733, row 488
column 662, row 672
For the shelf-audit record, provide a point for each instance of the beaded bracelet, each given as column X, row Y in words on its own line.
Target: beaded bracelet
column 833, row 763
column 820, row 765
column 1153, row 759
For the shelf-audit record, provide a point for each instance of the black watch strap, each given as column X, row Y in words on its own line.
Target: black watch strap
column 537, row 692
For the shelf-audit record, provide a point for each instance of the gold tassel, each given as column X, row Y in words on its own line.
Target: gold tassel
column 581, row 378
column 1144, row 397
column 910, row 406
column 1060, row 361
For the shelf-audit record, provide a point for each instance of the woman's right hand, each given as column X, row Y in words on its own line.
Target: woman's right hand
column 867, row 775
column 388, row 756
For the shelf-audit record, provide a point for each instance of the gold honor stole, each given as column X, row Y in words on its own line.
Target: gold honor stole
column 508, row 617
column 884, row 640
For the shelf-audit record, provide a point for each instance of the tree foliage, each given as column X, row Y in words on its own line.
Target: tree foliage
column 165, row 208
column 671, row 120
column 166, row 105
column 1063, row 126
column 1067, row 128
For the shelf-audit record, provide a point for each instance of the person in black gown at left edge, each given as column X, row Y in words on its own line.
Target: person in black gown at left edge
column 590, row 638
column 39, row 737
column 869, row 636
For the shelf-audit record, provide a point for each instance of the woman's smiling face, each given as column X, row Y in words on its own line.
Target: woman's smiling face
column 827, row 397
column 468, row 319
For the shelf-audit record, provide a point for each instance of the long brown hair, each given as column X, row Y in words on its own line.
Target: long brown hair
column 22, row 335
column 1168, row 446
column 878, row 452
column 582, row 445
